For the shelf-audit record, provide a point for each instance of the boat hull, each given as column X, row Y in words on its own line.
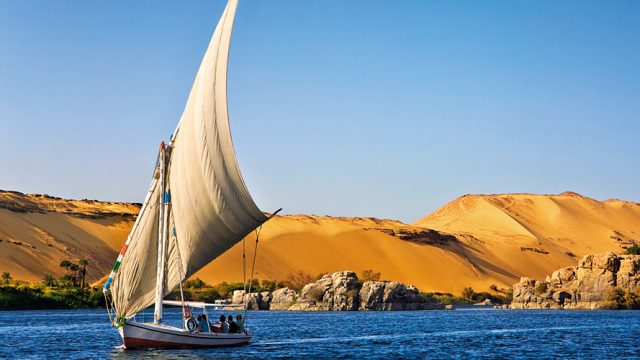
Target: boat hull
column 144, row 335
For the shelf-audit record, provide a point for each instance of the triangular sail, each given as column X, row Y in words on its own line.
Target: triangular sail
column 211, row 208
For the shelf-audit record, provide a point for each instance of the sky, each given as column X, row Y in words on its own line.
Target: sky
column 342, row 107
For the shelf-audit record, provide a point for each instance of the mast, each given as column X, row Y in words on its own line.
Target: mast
column 209, row 205
column 162, row 235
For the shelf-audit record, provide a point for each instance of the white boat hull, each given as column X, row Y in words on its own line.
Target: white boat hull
column 137, row 335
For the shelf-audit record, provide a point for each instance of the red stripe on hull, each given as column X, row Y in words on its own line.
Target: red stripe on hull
column 135, row 343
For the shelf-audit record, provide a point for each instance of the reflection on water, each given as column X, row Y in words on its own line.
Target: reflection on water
column 442, row 334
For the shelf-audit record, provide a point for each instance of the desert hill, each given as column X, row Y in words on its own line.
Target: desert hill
column 39, row 231
column 536, row 234
column 476, row 240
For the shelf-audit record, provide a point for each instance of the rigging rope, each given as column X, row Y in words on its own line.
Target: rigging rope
column 106, row 304
column 253, row 265
column 244, row 271
column 175, row 237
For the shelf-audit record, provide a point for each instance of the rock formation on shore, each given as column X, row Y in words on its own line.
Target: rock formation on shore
column 340, row 291
column 586, row 286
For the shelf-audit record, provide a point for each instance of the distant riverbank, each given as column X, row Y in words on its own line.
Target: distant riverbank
column 334, row 292
column 39, row 297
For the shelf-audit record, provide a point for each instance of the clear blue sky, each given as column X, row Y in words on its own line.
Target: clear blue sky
column 367, row 108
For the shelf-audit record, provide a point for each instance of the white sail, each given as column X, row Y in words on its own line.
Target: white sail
column 134, row 273
column 210, row 206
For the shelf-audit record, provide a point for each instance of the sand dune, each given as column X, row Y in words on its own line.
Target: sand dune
column 476, row 240
column 495, row 239
column 316, row 245
column 38, row 231
column 532, row 235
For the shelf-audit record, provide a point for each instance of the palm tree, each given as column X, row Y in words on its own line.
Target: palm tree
column 74, row 273
column 83, row 270
column 65, row 264
column 6, row 278
column 49, row 280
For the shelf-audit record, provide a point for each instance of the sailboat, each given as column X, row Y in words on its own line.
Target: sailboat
column 197, row 207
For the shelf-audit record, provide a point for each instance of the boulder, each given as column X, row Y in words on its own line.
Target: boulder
column 254, row 301
column 392, row 295
column 372, row 295
column 335, row 292
column 282, row 299
column 563, row 276
column 343, row 295
column 341, row 291
column 524, row 291
column 593, row 283
column 609, row 262
column 486, row 303
column 628, row 275
column 238, row 297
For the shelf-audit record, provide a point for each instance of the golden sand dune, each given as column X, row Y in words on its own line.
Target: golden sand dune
column 481, row 240
column 476, row 240
column 532, row 235
column 321, row 244
column 38, row 231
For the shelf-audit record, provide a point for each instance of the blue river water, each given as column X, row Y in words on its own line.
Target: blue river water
column 474, row 333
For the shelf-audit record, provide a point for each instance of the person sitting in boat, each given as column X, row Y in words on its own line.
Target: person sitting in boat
column 203, row 324
column 221, row 326
column 212, row 326
column 240, row 323
column 233, row 326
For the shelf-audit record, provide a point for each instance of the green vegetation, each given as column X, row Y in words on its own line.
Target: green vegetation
column 619, row 299
column 633, row 249
column 83, row 271
column 468, row 293
column 47, row 294
column 5, row 279
column 68, row 292
column 369, row 275
column 469, row 296
column 198, row 290
column 445, row 298
column 298, row 280
column 268, row 285
column 74, row 274
column 196, row 283
column 49, row 280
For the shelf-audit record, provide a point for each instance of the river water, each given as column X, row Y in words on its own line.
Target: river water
column 474, row 333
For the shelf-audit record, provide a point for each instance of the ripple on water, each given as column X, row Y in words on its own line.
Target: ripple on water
column 442, row 334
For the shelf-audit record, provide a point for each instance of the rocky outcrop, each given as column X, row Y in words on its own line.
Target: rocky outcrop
column 282, row 299
column 582, row 287
column 392, row 295
column 254, row 301
column 342, row 291
column 337, row 292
